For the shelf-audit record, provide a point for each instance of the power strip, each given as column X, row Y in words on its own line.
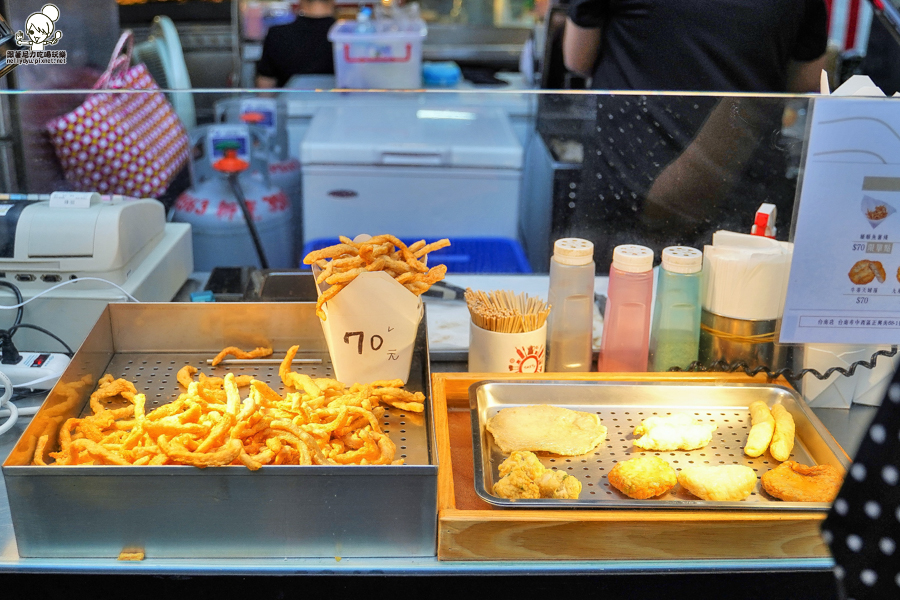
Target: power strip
column 42, row 368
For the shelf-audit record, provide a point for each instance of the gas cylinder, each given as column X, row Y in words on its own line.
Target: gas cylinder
column 270, row 115
column 220, row 235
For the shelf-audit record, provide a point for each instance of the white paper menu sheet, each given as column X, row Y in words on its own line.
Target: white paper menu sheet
column 844, row 285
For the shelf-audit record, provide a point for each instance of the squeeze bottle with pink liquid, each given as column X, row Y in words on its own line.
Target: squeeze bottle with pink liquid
column 626, row 323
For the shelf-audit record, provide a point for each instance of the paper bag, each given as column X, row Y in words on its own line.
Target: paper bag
column 866, row 386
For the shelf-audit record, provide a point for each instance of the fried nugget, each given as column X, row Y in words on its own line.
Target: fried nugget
column 516, row 485
column 794, row 482
column 559, row 485
column 721, row 482
column 643, row 477
column 524, row 461
column 523, row 476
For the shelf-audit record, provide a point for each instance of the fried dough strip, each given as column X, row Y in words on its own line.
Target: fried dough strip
column 783, row 438
column 178, row 453
column 419, row 253
column 306, row 438
column 39, row 451
column 118, row 387
column 345, row 277
column 260, row 352
column 185, row 375
column 256, row 461
column 761, row 430
column 98, row 452
column 324, row 297
column 330, row 252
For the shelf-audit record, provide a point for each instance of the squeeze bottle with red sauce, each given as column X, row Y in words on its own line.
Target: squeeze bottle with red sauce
column 626, row 323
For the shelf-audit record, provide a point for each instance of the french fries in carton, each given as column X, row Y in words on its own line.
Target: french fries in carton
column 371, row 328
column 368, row 302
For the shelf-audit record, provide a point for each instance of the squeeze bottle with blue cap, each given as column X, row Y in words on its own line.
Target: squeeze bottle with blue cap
column 675, row 334
column 626, row 324
column 571, row 323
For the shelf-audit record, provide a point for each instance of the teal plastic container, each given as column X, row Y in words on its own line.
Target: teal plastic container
column 675, row 331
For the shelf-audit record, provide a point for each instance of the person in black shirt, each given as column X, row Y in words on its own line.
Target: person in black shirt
column 698, row 45
column 671, row 170
column 298, row 48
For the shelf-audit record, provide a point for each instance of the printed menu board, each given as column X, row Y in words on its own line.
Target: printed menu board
column 844, row 284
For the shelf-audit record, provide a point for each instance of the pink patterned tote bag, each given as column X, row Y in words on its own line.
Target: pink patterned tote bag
column 129, row 143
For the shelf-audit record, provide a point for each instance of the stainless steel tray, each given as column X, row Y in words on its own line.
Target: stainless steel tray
column 222, row 512
column 621, row 406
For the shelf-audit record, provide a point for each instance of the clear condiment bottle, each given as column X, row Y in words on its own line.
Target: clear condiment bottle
column 571, row 297
column 626, row 324
column 675, row 334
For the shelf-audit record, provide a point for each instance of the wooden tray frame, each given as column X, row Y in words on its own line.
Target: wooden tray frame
column 529, row 534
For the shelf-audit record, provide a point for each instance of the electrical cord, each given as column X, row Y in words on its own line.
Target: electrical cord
column 67, row 282
column 7, row 408
column 6, row 336
column 20, row 310
column 787, row 373
column 5, row 403
column 69, row 352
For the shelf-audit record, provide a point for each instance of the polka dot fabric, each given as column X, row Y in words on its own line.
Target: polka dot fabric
column 129, row 143
column 863, row 527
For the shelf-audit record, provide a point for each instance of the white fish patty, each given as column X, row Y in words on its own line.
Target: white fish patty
column 546, row 428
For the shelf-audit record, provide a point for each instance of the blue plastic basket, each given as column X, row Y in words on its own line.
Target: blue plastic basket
column 464, row 255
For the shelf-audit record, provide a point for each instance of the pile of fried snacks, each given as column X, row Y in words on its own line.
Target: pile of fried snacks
column 321, row 422
column 342, row 263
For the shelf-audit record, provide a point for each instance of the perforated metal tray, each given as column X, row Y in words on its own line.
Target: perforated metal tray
column 621, row 407
column 178, row 511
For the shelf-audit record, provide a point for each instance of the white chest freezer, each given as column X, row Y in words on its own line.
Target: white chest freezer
column 410, row 171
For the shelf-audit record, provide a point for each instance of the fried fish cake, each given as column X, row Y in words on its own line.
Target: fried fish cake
column 546, row 428
column 643, row 477
column 720, row 482
column 677, row 431
column 794, row 482
column 864, row 271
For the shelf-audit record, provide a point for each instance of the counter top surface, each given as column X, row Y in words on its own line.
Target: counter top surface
column 847, row 426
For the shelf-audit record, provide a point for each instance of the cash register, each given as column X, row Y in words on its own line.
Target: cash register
column 125, row 242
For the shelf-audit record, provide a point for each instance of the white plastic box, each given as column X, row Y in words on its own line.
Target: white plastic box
column 385, row 55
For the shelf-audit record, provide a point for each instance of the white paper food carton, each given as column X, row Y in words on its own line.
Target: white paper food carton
column 371, row 328
column 873, row 206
